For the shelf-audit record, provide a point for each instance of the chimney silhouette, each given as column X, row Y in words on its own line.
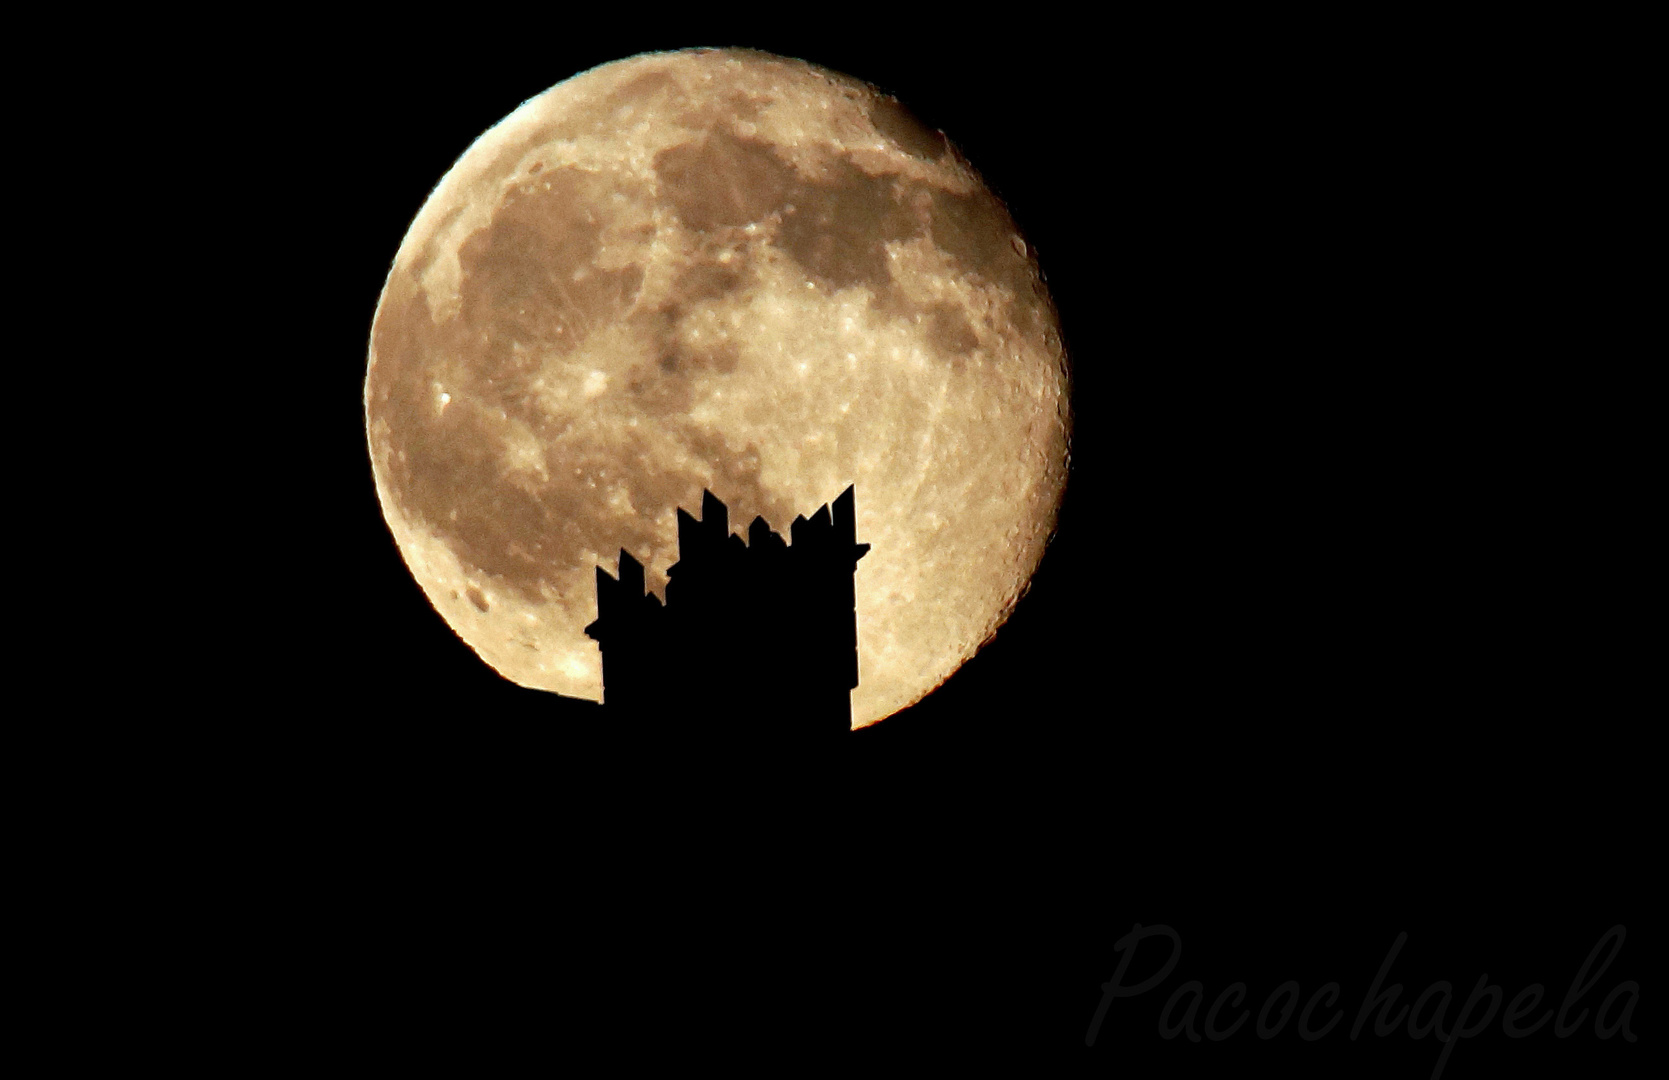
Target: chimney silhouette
column 758, row 639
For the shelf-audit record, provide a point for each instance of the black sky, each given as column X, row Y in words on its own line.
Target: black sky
column 1333, row 643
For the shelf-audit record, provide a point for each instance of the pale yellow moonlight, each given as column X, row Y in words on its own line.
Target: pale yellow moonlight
column 725, row 270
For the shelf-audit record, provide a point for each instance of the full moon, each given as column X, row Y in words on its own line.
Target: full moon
column 721, row 270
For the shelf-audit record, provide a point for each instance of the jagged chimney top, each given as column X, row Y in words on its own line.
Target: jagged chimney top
column 714, row 514
column 689, row 535
column 845, row 515
column 631, row 574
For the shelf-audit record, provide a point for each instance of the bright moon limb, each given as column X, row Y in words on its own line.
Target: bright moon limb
column 725, row 270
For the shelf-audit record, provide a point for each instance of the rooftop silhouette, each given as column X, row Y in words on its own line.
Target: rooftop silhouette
column 757, row 638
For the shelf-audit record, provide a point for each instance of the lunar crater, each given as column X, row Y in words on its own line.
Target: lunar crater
column 894, row 120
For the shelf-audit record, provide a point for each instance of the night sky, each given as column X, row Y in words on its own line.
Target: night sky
column 1328, row 647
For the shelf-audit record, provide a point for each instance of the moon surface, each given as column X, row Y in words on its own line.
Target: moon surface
column 727, row 270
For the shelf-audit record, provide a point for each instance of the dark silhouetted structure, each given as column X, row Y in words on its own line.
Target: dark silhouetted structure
column 756, row 639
